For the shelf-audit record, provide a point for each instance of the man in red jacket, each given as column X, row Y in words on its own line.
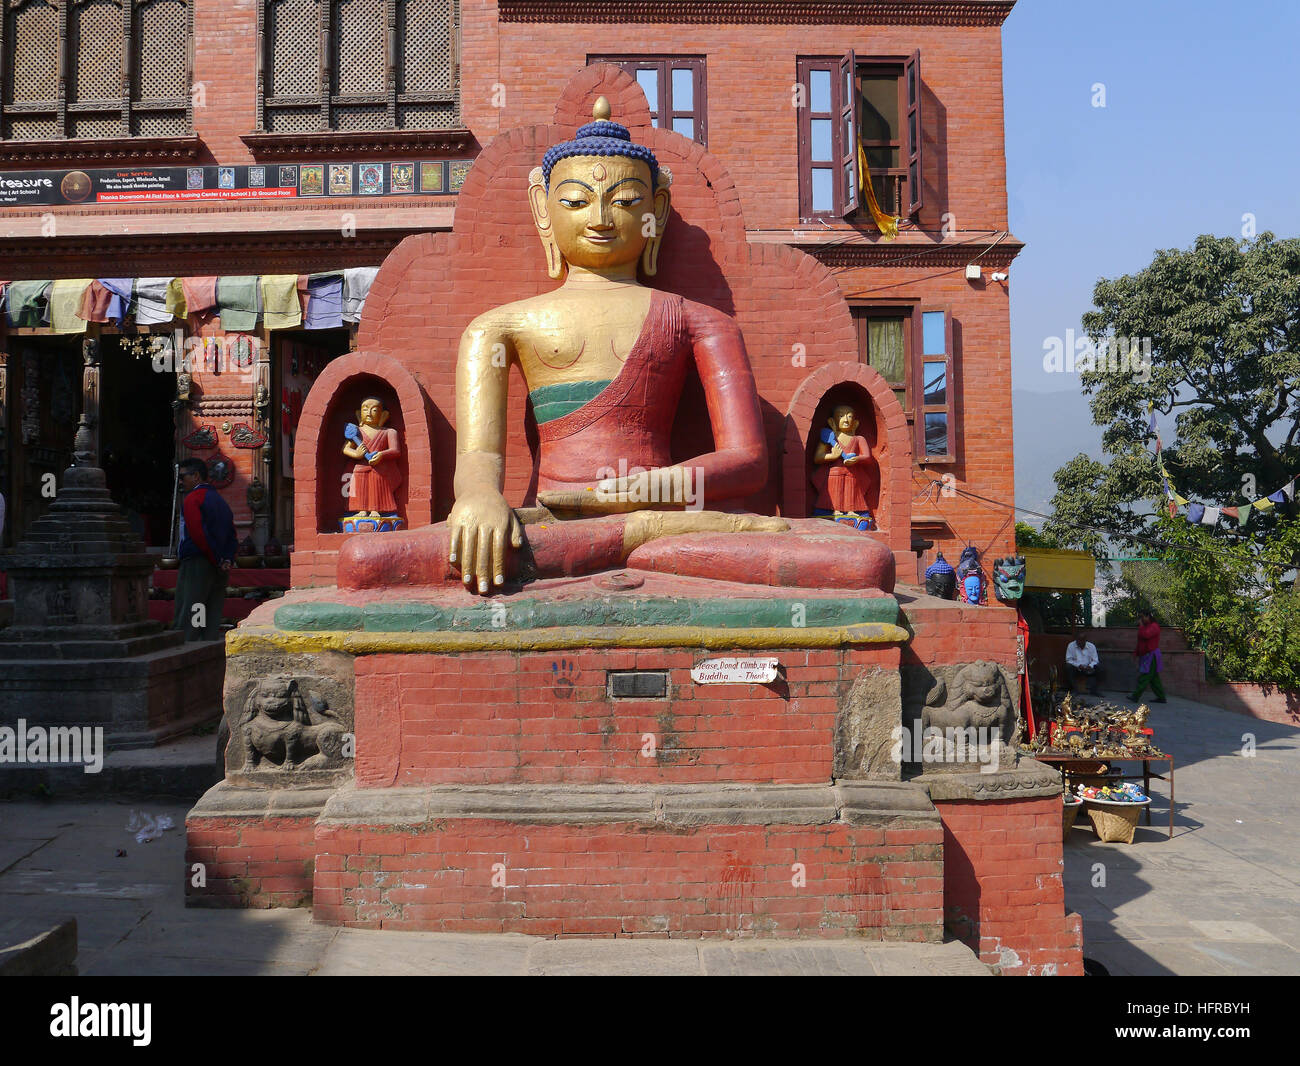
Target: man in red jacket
column 1148, row 656
column 207, row 550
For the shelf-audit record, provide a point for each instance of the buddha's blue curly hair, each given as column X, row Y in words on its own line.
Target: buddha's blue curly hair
column 601, row 138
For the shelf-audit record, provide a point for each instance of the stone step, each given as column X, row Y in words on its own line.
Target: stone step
column 185, row 767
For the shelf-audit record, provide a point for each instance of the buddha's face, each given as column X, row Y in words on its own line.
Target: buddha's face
column 844, row 420
column 372, row 414
column 597, row 207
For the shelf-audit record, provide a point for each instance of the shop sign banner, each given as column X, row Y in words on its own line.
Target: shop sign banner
column 122, row 185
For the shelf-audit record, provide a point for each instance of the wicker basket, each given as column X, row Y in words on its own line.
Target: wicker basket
column 1069, row 812
column 1114, row 822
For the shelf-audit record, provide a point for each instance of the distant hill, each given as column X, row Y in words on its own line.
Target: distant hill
column 1051, row 429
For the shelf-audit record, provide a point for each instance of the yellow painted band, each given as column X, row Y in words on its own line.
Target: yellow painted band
column 266, row 638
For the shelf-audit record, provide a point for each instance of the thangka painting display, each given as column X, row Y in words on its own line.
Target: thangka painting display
column 340, row 179
column 311, row 180
column 371, row 179
column 403, row 177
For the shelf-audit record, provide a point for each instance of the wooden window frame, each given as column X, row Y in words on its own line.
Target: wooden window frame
column 326, row 100
column 125, row 103
column 862, row 314
column 846, row 128
column 949, row 406
column 663, row 108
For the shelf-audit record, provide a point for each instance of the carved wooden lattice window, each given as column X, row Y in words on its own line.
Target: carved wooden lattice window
column 95, row 68
column 358, row 65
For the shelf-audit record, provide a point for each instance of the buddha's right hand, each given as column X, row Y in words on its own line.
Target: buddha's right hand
column 480, row 522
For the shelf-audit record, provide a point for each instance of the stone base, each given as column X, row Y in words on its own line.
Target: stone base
column 880, row 860
column 140, row 700
column 711, row 861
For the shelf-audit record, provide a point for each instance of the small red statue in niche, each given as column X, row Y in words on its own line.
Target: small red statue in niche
column 847, row 473
column 372, row 490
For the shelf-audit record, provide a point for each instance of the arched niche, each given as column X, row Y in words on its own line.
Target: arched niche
column 319, row 464
column 882, row 422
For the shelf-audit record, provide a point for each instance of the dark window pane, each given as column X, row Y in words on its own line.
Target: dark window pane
column 821, row 140
column 683, row 90
column 902, row 398
column 936, row 434
column 649, row 82
column 885, row 348
column 819, row 90
column 936, row 383
column 823, row 191
column 882, row 158
column 878, row 108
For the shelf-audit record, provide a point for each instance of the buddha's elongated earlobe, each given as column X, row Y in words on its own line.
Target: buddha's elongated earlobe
column 662, row 206
column 555, row 265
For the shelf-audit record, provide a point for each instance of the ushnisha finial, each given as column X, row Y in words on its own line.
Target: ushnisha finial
column 601, row 137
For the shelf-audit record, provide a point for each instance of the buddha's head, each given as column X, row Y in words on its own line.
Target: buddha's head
column 600, row 201
column 843, row 420
column 373, row 414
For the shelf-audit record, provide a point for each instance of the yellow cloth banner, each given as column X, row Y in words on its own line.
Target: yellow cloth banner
column 887, row 224
column 65, row 302
column 176, row 298
column 281, row 308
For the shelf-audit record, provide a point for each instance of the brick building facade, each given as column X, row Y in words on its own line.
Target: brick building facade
column 278, row 84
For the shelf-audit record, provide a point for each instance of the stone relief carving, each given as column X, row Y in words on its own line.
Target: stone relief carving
column 967, row 704
column 288, row 727
column 288, row 721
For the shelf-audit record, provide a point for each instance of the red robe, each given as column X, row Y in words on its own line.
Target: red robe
column 374, row 488
column 847, row 488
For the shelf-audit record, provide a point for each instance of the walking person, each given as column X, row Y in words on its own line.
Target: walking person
column 1148, row 657
column 207, row 551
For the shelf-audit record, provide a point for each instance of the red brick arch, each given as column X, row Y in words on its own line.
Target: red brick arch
column 318, row 462
column 893, row 448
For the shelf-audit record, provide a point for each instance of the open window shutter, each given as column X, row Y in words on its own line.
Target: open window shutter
column 912, row 97
column 847, row 135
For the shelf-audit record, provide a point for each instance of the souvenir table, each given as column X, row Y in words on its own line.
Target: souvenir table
column 1069, row 766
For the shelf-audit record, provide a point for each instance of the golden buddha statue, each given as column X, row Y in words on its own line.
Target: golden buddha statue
column 605, row 359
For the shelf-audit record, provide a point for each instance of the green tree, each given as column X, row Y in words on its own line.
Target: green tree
column 1217, row 327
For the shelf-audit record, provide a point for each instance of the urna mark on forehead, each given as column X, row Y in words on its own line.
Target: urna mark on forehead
column 601, row 139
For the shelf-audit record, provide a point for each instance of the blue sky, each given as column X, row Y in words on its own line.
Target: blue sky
column 1200, row 127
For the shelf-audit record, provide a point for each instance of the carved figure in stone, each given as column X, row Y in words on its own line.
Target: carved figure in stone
column 978, row 697
column 605, row 360
column 289, row 729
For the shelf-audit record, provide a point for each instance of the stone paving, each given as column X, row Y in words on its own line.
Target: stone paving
column 1222, row 897
column 61, row 859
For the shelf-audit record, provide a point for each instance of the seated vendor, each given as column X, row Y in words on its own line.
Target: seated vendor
column 1081, row 661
